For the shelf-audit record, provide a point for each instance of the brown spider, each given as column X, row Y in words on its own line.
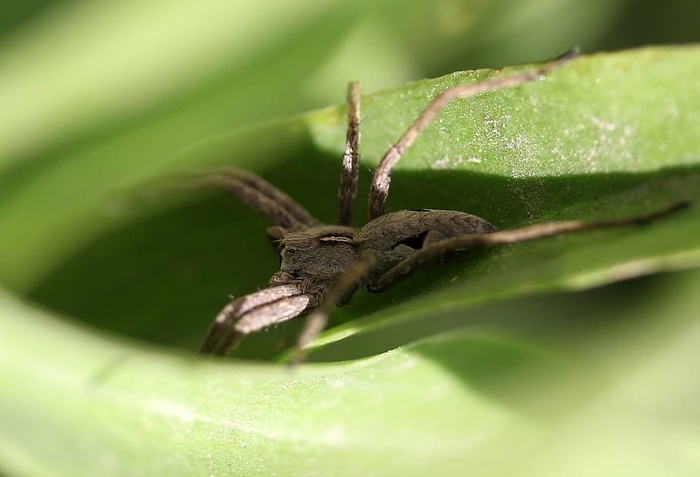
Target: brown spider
column 323, row 265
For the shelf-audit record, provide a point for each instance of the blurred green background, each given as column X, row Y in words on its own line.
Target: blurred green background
column 100, row 100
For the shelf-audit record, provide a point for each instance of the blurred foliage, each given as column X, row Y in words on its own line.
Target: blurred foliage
column 100, row 101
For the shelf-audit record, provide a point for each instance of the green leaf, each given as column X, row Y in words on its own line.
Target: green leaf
column 513, row 377
column 576, row 145
column 468, row 401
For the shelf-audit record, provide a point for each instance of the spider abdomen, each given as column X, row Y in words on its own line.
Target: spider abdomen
column 417, row 227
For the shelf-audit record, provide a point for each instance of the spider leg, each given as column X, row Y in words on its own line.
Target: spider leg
column 261, row 196
column 437, row 250
column 351, row 159
column 382, row 175
column 339, row 292
column 254, row 312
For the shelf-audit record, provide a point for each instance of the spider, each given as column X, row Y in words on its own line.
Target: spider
column 321, row 266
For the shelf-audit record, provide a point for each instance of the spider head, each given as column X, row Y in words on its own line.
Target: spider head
column 323, row 252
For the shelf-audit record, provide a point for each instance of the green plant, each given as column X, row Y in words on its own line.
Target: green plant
column 488, row 364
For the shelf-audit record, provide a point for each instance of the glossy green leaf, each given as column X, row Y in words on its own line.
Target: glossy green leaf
column 478, row 401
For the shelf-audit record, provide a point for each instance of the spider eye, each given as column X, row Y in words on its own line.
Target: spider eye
column 285, row 249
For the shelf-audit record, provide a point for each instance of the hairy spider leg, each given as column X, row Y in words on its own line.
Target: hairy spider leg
column 351, row 159
column 261, row 196
column 381, row 181
column 254, row 312
column 438, row 250
column 345, row 285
